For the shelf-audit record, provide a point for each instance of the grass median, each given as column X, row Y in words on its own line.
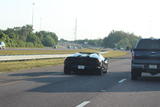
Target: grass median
column 114, row 54
column 17, row 65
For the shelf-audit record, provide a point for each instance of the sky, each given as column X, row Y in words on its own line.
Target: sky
column 95, row 18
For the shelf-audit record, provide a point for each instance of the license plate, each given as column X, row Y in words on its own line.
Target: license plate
column 153, row 66
column 81, row 67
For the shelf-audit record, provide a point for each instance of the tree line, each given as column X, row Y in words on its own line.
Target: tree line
column 25, row 37
column 120, row 39
column 115, row 39
column 89, row 42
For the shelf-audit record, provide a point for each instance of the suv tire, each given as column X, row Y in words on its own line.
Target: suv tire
column 100, row 72
column 135, row 74
column 66, row 71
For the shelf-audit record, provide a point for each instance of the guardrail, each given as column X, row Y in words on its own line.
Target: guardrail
column 30, row 57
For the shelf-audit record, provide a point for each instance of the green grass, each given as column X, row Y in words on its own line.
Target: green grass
column 113, row 54
column 13, row 66
column 33, row 52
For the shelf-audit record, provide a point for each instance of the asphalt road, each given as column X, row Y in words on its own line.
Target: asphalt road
column 49, row 87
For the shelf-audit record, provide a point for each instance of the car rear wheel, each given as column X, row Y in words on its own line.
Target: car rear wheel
column 100, row 72
column 67, row 71
column 105, row 71
column 135, row 74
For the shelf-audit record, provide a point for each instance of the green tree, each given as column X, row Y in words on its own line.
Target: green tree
column 25, row 37
column 120, row 39
column 48, row 41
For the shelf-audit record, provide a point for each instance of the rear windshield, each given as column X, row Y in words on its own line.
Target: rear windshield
column 148, row 44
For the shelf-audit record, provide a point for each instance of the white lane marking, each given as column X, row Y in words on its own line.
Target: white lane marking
column 83, row 104
column 122, row 80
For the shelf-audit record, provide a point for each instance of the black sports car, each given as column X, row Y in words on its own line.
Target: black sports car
column 86, row 63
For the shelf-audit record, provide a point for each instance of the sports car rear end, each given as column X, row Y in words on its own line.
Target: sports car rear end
column 83, row 63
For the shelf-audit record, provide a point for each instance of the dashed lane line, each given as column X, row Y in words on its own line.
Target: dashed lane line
column 83, row 104
column 122, row 80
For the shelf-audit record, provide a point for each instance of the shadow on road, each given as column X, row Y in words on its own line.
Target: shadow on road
column 143, row 84
column 57, row 82
column 35, row 74
column 150, row 79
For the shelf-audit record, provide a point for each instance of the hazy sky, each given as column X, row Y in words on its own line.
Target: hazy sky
column 96, row 18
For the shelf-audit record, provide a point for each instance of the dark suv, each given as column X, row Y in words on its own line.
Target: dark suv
column 145, row 58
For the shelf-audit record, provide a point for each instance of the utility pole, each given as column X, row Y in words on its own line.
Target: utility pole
column 75, row 32
column 33, row 14
column 40, row 24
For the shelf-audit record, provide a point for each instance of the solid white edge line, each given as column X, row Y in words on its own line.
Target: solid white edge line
column 122, row 80
column 83, row 104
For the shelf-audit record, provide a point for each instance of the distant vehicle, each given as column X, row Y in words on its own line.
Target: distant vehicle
column 86, row 63
column 69, row 47
column 145, row 58
column 2, row 45
column 55, row 47
column 75, row 47
column 122, row 49
column 114, row 48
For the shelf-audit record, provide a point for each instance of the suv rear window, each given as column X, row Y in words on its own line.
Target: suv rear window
column 148, row 44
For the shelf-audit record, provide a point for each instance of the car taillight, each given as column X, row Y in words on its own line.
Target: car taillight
column 98, row 62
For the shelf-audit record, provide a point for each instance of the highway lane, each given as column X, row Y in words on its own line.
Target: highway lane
column 49, row 87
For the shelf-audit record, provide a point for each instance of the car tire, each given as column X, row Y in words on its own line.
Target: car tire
column 100, row 72
column 66, row 71
column 135, row 74
column 105, row 71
